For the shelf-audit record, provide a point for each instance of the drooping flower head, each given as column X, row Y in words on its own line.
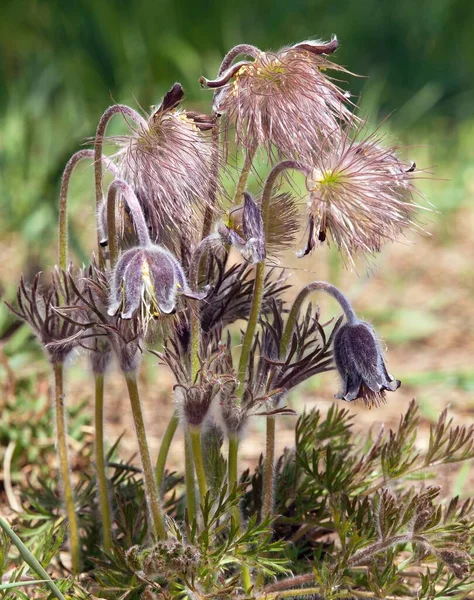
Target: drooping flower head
column 282, row 99
column 360, row 195
column 168, row 162
column 147, row 279
column 359, row 360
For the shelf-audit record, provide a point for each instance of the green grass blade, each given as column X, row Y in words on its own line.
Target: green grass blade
column 15, row 584
column 30, row 559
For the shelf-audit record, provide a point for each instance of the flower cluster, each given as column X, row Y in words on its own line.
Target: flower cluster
column 177, row 265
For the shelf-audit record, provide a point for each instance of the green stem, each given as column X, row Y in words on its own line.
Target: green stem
column 258, row 287
column 189, row 478
column 232, row 463
column 126, row 112
column 195, row 434
column 164, row 450
column 269, row 468
column 151, row 489
column 100, row 463
column 244, row 175
column 232, row 478
column 61, row 432
column 31, row 561
column 268, row 479
column 307, row 592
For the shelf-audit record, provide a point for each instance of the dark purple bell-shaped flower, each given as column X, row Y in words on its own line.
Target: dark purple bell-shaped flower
column 361, row 365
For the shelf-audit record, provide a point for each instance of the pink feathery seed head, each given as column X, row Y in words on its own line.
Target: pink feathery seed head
column 169, row 164
column 361, row 194
column 283, row 99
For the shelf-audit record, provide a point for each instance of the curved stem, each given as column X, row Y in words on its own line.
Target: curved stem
column 125, row 111
column 236, row 51
column 259, row 282
column 189, row 478
column 195, row 434
column 61, row 432
column 63, row 198
column 151, row 489
column 164, row 450
column 100, row 462
column 118, row 185
column 295, row 309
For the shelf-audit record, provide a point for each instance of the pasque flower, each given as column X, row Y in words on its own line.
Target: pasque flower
column 360, row 194
column 150, row 279
column 281, row 99
column 168, row 162
column 359, row 360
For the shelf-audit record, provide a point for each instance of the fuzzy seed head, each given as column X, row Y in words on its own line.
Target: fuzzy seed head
column 169, row 165
column 360, row 195
column 282, row 100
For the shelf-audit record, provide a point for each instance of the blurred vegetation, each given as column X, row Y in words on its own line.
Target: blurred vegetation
column 63, row 62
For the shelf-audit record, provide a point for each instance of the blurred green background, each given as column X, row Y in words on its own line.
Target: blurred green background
column 63, row 62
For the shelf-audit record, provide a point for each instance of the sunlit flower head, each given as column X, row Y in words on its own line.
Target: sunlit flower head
column 361, row 195
column 169, row 165
column 283, row 99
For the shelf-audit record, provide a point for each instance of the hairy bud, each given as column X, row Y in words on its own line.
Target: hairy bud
column 360, row 363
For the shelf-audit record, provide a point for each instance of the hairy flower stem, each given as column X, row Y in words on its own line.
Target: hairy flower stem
column 236, row 51
column 300, row 298
column 100, row 462
column 268, row 473
column 232, row 479
column 126, row 112
column 297, row 592
column 164, row 450
column 189, row 478
column 63, row 199
column 244, row 175
column 208, row 213
column 137, row 216
column 195, row 434
column 151, row 489
column 61, row 432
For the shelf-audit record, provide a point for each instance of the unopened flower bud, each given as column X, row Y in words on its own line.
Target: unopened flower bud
column 252, row 244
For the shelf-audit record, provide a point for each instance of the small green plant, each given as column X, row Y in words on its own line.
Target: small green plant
column 333, row 517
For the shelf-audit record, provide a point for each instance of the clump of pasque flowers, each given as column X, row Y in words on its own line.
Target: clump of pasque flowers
column 173, row 251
